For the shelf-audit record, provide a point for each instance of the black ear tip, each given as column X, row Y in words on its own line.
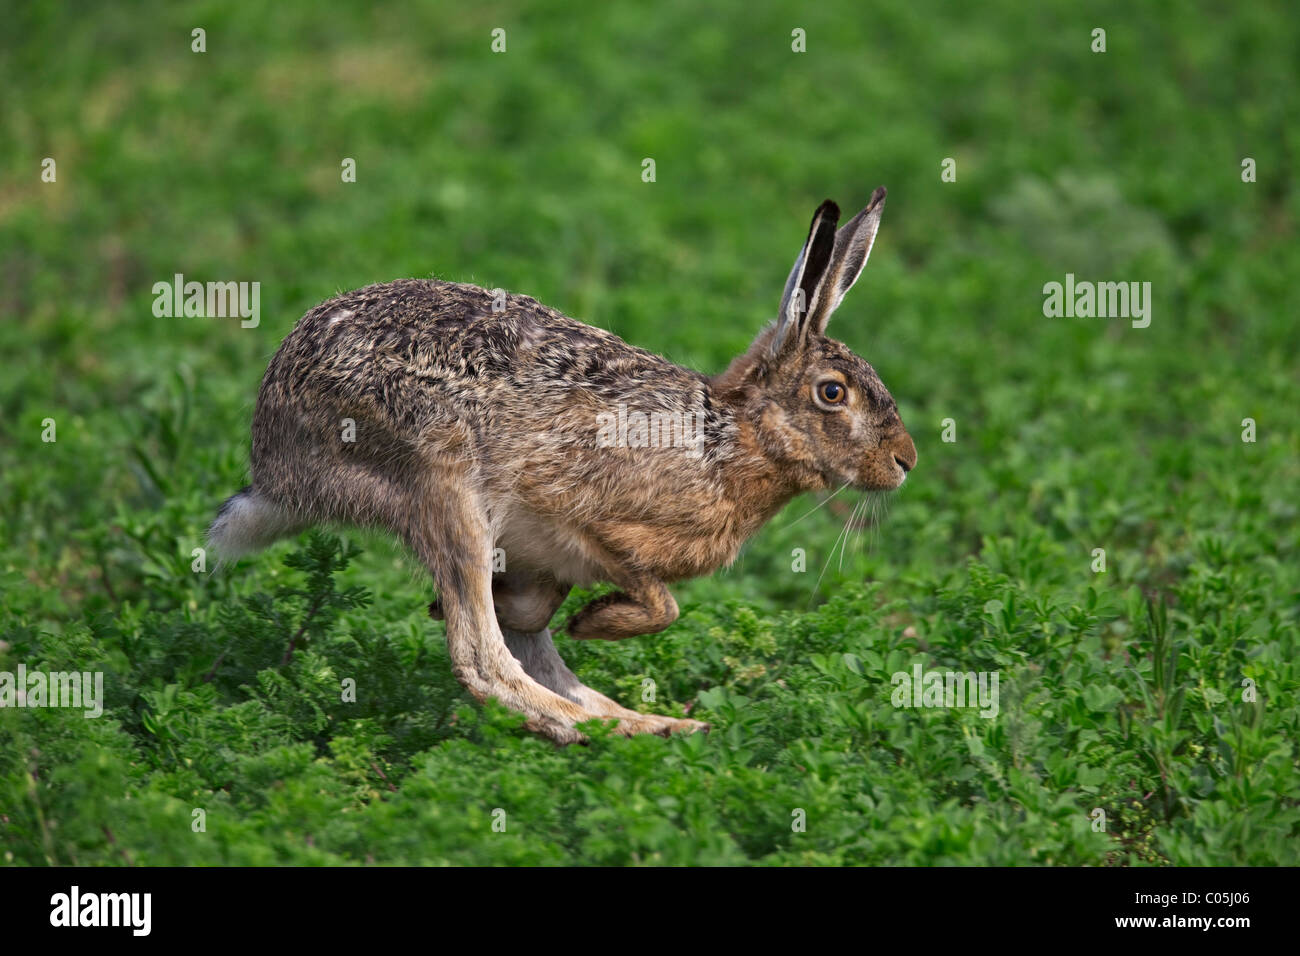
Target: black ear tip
column 879, row 195
column 829, row 209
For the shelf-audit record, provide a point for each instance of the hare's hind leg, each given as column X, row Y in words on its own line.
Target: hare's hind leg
column 522, row 602
column 450, row 535
column 536, row 652
column 524, row 607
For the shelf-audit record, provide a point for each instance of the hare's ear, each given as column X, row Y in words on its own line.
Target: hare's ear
column 852, row 246
column 805, row 282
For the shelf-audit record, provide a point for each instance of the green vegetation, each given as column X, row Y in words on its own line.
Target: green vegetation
column 1120, row 690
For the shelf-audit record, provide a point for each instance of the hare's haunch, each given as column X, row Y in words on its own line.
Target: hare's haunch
column 478, row 426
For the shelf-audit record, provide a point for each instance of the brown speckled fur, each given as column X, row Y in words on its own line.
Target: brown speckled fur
column 477, row 429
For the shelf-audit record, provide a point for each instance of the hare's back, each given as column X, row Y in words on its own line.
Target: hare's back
column 418, row 347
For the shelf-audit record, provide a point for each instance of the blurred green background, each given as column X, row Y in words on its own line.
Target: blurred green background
column 522, row 170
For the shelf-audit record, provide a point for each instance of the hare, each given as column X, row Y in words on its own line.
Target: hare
column 471, row 423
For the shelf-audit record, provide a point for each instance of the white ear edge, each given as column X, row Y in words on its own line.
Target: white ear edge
column 792, row 318
column 787, row 320
column 853, row 245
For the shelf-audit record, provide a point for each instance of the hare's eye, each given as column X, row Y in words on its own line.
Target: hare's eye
column 832, row 393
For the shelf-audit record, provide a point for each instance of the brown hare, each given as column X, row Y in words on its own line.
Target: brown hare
column 479, row 425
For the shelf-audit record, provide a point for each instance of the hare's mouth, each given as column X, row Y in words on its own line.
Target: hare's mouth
column 884, row 479
column 885, row 472
column 879, row 487
column 903, row 467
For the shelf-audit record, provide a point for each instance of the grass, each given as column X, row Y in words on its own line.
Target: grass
column 1128, row 690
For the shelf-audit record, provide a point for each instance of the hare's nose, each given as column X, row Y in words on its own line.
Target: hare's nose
column 904, row 452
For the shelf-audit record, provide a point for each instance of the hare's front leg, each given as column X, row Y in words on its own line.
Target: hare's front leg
column 644, row 606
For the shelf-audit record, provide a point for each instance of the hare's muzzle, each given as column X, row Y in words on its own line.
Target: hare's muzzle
column 890, row 462
column 904, row 452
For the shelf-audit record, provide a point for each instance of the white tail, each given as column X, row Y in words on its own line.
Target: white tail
column 247, row 522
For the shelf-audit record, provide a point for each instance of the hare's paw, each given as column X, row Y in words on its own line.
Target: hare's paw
column 660, row 725
column 645, row 607
column 545, row 712
column 557, row 731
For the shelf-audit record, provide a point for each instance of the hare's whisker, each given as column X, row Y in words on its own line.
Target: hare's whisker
column 848, row 527
column 825, row 566
column 823, row 503
column 863, row 525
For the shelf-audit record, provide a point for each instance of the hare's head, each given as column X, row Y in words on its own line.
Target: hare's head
column 818, row 409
